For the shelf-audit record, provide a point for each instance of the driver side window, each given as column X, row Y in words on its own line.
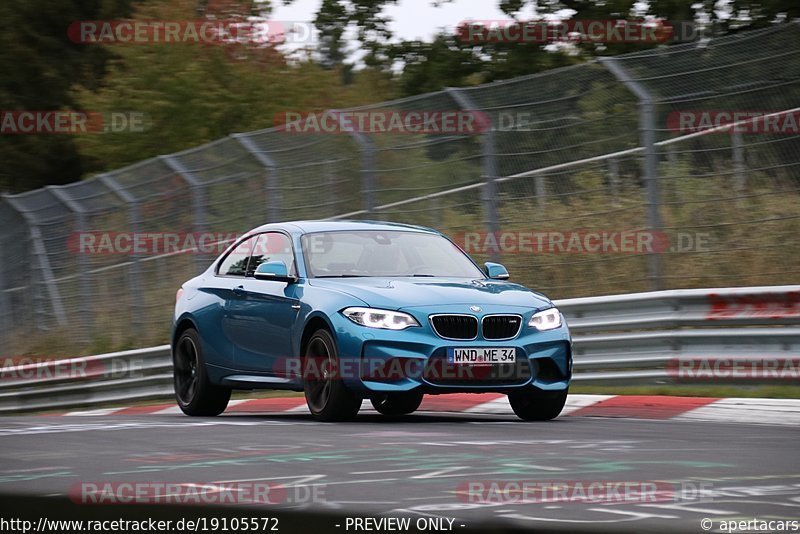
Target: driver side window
column 272, row 246
column 235, row 263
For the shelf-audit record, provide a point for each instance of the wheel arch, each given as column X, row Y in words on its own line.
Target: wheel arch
column 182, row 326
column 314, row 323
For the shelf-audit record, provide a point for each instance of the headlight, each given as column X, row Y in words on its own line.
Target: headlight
column 546, row 320
column 374, row 318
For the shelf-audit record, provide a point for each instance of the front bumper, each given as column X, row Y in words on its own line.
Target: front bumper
column 416, row 358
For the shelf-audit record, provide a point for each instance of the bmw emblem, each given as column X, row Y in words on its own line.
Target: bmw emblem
column 476, row 309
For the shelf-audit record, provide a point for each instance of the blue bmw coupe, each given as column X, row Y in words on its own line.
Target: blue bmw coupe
column 354, row 310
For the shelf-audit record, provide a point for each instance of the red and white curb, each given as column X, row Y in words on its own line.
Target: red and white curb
column 731, row 410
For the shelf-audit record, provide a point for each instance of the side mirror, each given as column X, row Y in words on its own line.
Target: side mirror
column 496, row 271
column 275, row 271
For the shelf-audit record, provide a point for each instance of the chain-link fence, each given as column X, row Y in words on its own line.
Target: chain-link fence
column 592, row 179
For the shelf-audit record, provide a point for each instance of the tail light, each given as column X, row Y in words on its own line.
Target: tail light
column 178, row 295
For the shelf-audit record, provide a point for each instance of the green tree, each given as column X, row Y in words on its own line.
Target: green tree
column 191, row 94
column 451, row 61
column 335, row 17
column 40, row 67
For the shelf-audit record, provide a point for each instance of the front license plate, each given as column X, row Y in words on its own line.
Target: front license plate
column 481, row 356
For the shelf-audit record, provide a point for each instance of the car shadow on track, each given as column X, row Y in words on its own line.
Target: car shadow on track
column 417, row 418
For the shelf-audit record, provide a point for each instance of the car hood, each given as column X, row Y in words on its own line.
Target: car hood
column 395, row 293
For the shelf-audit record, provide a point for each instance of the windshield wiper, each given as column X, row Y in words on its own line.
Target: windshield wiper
column 417, row 275
column 342, row 276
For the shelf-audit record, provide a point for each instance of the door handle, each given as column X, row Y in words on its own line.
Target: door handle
column 239, row 290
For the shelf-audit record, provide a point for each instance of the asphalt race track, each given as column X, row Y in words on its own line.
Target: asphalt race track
column 421, row 465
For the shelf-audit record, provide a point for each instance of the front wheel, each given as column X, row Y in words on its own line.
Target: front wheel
column 193, row 391
column 327, row 397
column 401, row 403
column 534, row 404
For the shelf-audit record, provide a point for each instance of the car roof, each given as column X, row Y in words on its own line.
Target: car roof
column 307, row 227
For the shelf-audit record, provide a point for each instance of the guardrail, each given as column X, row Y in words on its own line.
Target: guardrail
column 642, row 338
column 117, row 377
column 638, row 338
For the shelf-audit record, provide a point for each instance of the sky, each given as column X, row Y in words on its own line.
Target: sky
column 415, row 19
column 411, row 19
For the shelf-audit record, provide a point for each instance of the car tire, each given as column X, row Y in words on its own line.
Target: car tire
column 400, row 403
column 328, row 398
column 534, row 404
column 194, row 393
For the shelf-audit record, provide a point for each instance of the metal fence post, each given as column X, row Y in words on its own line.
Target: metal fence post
column 5, row 306
column 647, row 133
column 738, row 164
column 489, row 196
column 331, row 187
column 40, row 253
column 198, row 201
column 272, row 182
column 436, row 210
column 613, row 181
column 135, row 267
column 540, row 188
column 367, row 171
column 83, row 267
column 367, row 166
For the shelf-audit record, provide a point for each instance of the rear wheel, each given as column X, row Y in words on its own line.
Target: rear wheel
column 400, row 403
column 534, row 404
column 327, row 397
column 193, row 391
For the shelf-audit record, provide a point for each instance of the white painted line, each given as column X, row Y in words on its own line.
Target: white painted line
column 731, row 410
column 576, row 402
column 493, row 406
column 98, row 411
column 689, row 508
column 735, row 410
column 633, row 514
column 172, row 410
column 302, row 408
column 175, row 410
column 387, row 471
column 789, row 404
column 537, row 467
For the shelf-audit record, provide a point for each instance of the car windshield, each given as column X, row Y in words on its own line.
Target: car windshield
column 384, row 253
